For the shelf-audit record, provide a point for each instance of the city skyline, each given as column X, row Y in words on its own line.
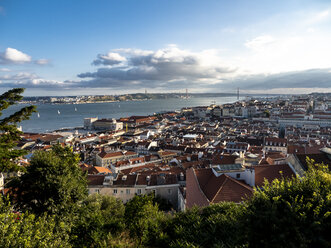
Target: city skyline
column 115, row 47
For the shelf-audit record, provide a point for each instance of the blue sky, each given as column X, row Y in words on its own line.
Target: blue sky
column 106, row 47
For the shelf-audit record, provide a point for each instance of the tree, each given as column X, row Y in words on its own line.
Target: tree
column 142, row 218
column 53, row 183
column 99, row 216
column 9, row 134
column 292, row 212
column 28, row 230
column 218, row 225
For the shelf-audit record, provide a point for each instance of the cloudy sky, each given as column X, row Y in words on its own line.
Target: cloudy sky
column 61, row 47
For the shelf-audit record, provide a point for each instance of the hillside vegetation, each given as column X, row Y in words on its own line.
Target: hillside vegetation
column 51, row 209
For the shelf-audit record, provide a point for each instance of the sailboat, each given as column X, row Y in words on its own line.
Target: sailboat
column 75, row 109
column 58, row 112
column 38, row 115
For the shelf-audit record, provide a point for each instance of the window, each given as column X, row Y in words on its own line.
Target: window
column 115, row 191
column 128, row 192
column 169, row 191
column 97, row 191
column 138, row 191
column 238, row 175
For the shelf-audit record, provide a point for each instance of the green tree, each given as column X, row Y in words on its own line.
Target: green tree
column 218, row 225
column 99, row 216
column 143, row 218
column 292, row 212
column 28, row 230
column 53, row 183
column 9, row 134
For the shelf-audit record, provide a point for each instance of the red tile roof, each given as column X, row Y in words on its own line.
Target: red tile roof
column 95, row 179
column 271, row 172
column 98, row 170
column 223, row 159
column 222, row 188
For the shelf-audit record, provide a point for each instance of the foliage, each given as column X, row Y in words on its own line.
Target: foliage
column 9, row 134
column 218, row 225
column 291, row 212
column 163, row 204
column 100, row 217
column 121, row 240
column 27, row 230
column 143, row 218
column 53, row 183
column 266, row 113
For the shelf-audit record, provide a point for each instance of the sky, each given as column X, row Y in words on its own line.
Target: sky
column 81, row 47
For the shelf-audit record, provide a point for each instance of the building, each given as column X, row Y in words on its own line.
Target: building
column 125, row 187
column 106, row 124
column 88, row 123
column 203, row 188
column 275, row 145
column 300, row 161
column 106, row 159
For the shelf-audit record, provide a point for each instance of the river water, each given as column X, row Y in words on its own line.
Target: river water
column 52, row 117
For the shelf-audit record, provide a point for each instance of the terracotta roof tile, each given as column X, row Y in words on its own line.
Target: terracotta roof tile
column 95, row 179
column 125, row 180
column 98, row 170
column 271, row 172
column 222, row 188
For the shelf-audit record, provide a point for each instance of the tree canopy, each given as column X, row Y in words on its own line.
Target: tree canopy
column 28, row 230
column 293, row 212
column 52, row 183
column 9, row 134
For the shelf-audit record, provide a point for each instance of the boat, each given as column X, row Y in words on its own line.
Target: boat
column 75, row 109
column 58, row 112
column 38, row 115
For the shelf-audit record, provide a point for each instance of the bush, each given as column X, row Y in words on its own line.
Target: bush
column 218, row 225
column 292, row 212
column 100, row 217
column 28, row 230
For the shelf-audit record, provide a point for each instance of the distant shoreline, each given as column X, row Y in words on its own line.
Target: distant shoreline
column 124, row 98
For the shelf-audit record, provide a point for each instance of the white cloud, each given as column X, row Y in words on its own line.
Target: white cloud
column 30, row 80
column 109, row 59
column 313, row 78
column 133, row 52
column 4, row 69
column 282, row 53
column 18, row 76
column 260, row 42
column 318, row 17
column 167, row 67
column 42, row 61
column 12, row 55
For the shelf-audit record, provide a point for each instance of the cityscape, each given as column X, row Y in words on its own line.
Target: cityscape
column 246, row 141
column 198, row 143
